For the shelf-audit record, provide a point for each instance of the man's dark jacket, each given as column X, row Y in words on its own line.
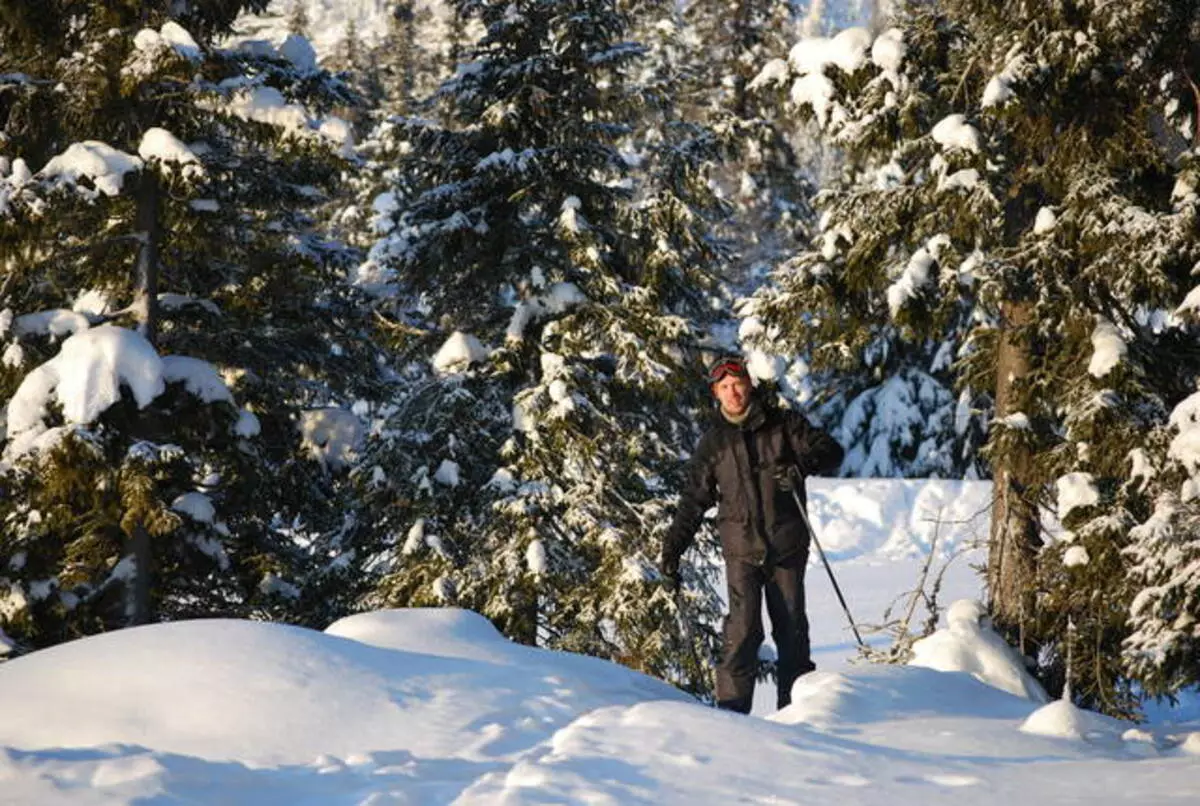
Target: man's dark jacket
column 757, row 518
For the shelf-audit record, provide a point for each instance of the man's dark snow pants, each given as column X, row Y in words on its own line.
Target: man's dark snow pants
column 783, row 585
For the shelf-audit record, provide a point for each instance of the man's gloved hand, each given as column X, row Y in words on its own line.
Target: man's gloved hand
column 786, row 476
column 669, row 568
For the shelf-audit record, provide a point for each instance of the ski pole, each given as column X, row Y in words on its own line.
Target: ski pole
column 795, row 472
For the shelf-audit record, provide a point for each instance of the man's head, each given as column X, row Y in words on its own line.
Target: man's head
column 730, row 383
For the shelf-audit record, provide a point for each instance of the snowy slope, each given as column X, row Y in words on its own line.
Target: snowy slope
column 433, row 706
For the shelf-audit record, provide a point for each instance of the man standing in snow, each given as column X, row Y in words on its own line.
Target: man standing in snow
column 741, row 465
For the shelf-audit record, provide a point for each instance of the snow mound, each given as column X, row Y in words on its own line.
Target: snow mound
column 1061, row 719
column 1191, row 745
column 968, row 644
column 450, row 632
column 274, row 694
column 875, row 693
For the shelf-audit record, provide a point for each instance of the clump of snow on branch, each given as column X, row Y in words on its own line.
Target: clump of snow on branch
column 247, row 424
column 99, row 162
column 569, row 218
column 1185, row 446
column 535, row 557
column 331, row 436
column 199, row 377
column 172, row 35
column 458, row 353
column 447, row 473
column 1076, row 490
column 1045, row 221
column 300, row 52
column 915, row 274
column 1075, row 556
column 160, row 146
column 953, row 131
column 197, row 506
column 999, row 89
column 85, row 378
column 847, row 51
column 267, row 105
column 1108, row 348
column 558, row 299
column 969, row 644
column 888, row 50
column 57, row 323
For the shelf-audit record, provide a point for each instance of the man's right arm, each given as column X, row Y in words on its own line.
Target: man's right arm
column 698, row 495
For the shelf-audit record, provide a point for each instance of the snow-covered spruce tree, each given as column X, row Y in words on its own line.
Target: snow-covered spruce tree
column 154, row 192
column 767, row 179
column 1014, row 198
column 523, row 226
column 415, row 54
column 872, row 300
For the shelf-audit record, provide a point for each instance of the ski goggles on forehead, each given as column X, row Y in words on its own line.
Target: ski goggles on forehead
column 727, row 366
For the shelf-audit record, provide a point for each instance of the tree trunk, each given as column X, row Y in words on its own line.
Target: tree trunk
column 137, row 588
column 149, row 229
column 1014, row 540
column 137, row 596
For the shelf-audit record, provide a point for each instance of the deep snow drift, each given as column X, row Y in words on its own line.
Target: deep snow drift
column 434, row 706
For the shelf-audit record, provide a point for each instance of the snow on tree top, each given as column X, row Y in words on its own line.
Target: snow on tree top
column 104, row 165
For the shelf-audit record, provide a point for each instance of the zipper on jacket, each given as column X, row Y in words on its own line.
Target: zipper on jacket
column 759, row 518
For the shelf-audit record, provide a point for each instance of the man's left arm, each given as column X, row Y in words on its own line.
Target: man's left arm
column 817, row 453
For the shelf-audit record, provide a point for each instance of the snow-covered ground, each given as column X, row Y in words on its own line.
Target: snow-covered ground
column 433, row 706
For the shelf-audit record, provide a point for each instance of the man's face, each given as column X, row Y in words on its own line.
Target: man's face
column 733, row 393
